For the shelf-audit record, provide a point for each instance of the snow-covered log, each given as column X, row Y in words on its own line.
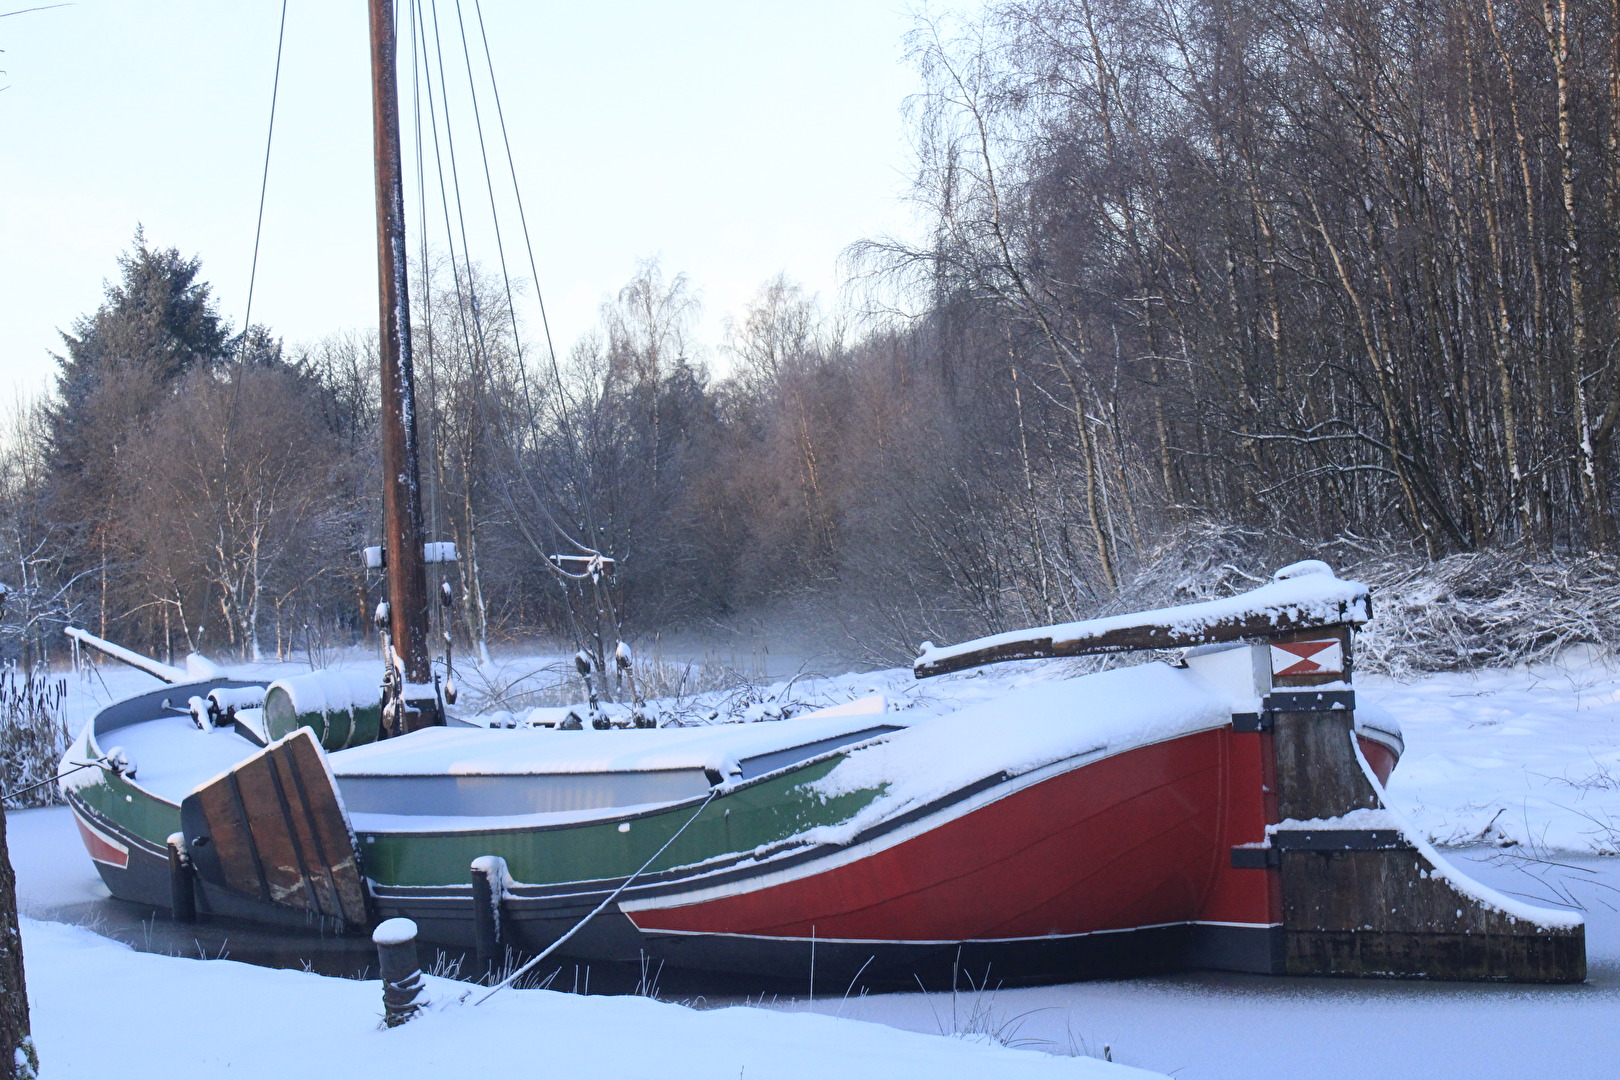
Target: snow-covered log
column 1303, row 596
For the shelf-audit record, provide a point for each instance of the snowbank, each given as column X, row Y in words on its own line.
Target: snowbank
column 158, row 1017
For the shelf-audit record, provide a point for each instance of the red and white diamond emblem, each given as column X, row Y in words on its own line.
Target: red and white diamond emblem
column 1308, row 658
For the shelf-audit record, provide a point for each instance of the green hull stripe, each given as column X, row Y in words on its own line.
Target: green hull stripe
column 767, row 812
column 739, row 821
column 133, row 808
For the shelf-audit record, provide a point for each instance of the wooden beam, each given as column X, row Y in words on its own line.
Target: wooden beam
column 1165, row 628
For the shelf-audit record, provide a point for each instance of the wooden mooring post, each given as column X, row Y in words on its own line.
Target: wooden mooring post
column 182, row 881
column 401, row 973
column 489, row 932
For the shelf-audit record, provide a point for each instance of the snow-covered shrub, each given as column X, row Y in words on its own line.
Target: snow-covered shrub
column 518, row 686
column 1203, row 560
column 1465, row 611
column 1486, row 609
column 33, row 734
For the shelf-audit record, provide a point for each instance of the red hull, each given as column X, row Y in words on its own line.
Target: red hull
column 1380, row 758
column 1142, row 838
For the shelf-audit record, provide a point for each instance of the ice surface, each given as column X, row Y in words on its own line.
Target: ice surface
column 1526, row 758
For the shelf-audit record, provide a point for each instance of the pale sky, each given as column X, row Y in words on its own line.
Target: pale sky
column 732, row 139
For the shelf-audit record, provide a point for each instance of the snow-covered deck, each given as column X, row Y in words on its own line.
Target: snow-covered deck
column 461, row 772
column 725, row 748
column 502, row 772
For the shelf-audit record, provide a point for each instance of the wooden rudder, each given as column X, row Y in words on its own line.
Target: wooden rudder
column 272, row 829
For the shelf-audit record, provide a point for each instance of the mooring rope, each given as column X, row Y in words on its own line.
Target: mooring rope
column 614, row 895
column 101, row 761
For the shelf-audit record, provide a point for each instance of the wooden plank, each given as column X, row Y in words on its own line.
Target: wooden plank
column 316, row 875
column 219, row 841
column 1143, row 636
column 272, row 829
column 327, row 832
column 267, row 821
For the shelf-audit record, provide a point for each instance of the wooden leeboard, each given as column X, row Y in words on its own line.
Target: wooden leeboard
column 272, row 829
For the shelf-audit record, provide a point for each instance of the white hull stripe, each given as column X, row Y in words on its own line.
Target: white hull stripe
column 102, row 848
column 953, row 941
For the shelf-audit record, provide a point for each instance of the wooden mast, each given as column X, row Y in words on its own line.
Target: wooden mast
column 417, row 702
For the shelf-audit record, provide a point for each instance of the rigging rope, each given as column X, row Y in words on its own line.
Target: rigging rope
column 470, row 298
column 264, row 180
column 469, row 315
column 101, row 761
column 612, row 896
column 534, row 273
column 523, row 220
column 475, row 342
column 431, row 434
column 489, row 185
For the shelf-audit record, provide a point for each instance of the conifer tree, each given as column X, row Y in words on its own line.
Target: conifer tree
column 156, row 323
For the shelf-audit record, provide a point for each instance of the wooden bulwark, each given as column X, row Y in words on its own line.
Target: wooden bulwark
column 272, row 829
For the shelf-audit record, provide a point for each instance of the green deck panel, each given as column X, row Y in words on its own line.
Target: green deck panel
column 763, row 813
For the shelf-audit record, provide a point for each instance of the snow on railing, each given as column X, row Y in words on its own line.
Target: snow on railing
column 1303, row 596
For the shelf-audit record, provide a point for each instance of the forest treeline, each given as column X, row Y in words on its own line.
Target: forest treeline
column 1309, row 270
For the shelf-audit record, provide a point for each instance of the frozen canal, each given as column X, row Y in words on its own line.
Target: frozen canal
column 1207, row 1026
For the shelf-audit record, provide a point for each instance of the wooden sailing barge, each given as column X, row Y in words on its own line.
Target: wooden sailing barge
column 1224, row 812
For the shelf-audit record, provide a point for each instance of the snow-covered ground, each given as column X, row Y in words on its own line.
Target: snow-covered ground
column 100, row 1009
column 1529, row 757
column 1521, row 766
